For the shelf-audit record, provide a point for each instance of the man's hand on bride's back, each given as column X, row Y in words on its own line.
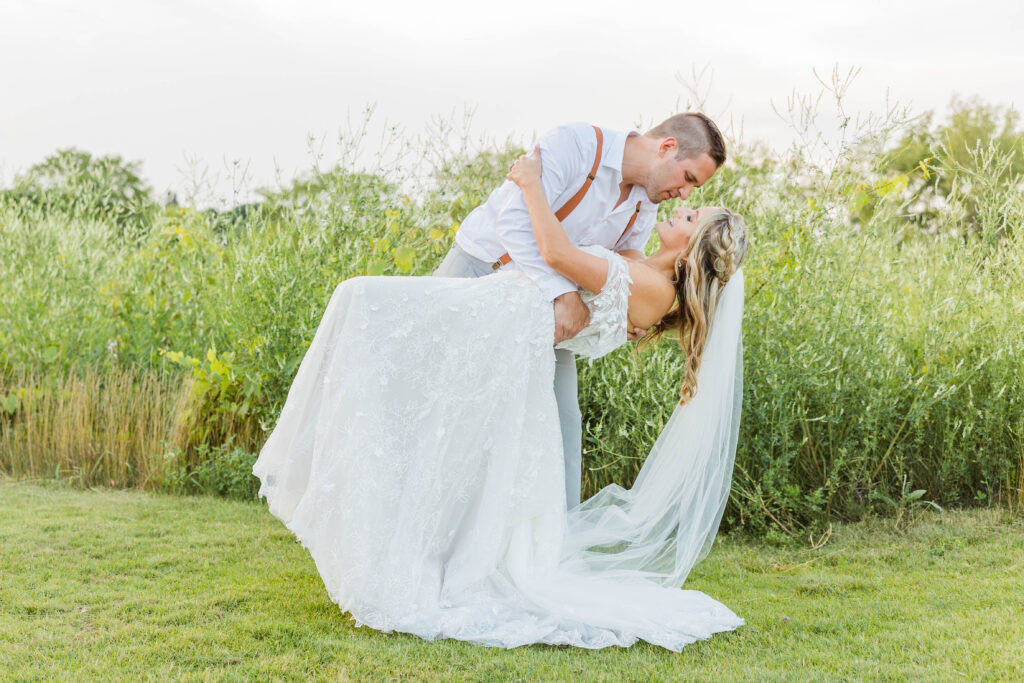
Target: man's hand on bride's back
column 525, row 169
column 571, row 316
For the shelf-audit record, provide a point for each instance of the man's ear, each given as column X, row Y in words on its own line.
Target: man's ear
column 667, row 145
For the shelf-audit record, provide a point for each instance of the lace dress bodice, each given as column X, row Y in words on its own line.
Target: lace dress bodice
column 608, row 310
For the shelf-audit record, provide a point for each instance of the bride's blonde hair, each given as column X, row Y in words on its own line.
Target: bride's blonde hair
column 715, row 252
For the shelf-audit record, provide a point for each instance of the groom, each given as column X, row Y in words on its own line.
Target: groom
column 604, row 186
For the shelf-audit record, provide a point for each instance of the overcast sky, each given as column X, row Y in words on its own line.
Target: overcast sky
column 182, row 84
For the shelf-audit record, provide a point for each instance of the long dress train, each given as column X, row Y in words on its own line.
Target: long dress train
column 418, row 459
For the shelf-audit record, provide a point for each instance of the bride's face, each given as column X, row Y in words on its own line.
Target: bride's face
column 675, row 233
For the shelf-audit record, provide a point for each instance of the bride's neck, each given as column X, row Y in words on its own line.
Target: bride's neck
column 664, row 262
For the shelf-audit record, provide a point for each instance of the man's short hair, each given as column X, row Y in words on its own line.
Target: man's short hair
column 695, row 134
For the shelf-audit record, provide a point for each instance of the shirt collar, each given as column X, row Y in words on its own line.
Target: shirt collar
column 616, row 143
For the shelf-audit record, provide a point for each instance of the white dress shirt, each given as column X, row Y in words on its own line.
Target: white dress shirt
column 502, row 223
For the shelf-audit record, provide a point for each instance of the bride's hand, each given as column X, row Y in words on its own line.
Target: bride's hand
column 526, row 170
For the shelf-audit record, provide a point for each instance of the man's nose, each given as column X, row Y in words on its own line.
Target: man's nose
column 684, row 192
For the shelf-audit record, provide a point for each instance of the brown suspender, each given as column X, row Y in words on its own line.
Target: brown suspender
column 578, row 197
column 574, row 201
column 632, row 220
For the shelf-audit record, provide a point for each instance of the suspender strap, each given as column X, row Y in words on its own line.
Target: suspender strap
column 629, row 225
column 505, row 260
column 578, row 197
column 574, row 201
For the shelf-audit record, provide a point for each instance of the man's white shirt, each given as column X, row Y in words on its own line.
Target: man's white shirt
column 502, row 223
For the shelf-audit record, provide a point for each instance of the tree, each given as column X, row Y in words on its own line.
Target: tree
column 102, row 188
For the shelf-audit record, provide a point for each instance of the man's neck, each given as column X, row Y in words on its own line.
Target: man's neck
column 637, row 156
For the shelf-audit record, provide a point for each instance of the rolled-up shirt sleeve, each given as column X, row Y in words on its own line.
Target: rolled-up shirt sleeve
column 562, row 161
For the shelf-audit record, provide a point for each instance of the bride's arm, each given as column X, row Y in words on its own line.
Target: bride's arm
column 584, row 269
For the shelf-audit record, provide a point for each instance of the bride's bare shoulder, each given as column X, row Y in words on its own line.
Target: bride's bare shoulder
column 650, row 296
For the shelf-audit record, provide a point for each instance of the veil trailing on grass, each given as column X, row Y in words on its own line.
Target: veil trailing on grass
column 668, row 520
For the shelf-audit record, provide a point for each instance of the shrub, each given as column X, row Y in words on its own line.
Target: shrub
column 217, row 470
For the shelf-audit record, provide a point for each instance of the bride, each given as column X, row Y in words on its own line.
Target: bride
column 418, row 455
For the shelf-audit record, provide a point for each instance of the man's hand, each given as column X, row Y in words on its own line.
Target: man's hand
column 636, row 334
column 571, row 316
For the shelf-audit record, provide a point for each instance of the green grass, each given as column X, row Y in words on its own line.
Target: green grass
column 113, row 584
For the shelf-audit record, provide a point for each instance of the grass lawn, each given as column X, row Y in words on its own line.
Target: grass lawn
column 113, row 584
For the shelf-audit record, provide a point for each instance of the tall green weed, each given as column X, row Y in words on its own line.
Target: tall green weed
column 882, row 359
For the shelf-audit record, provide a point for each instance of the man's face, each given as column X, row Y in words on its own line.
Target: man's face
column 670, row 178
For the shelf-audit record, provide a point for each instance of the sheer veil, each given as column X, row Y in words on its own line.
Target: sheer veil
column 667, row 521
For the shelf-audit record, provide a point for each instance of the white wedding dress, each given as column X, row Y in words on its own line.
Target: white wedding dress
column 418, row 459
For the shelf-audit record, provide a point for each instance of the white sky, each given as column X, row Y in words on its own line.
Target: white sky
column 166, row 82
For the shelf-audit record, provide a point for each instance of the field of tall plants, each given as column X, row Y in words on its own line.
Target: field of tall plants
column 147, row 344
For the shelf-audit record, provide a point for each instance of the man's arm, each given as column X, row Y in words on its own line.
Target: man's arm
column 564, row 168
column 571, row 316
column 554, row 245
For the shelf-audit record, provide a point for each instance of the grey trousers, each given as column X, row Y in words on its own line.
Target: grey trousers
column 460, row 264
